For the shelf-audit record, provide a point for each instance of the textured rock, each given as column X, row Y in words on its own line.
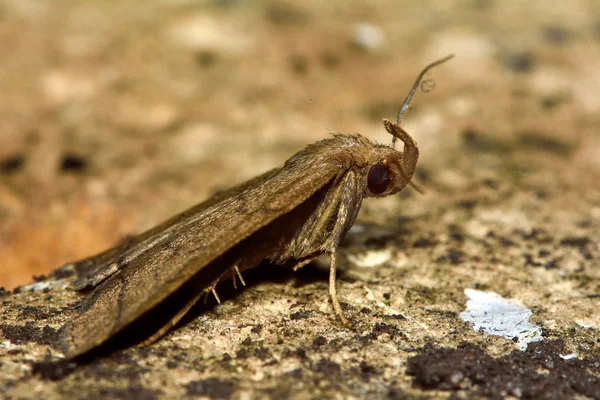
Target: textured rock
column 509, row 164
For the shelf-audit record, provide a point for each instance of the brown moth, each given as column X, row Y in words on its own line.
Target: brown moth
column 287, row 216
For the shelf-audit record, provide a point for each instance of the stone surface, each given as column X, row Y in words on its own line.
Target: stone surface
column 117, row 115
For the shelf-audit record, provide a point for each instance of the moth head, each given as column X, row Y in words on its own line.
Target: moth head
column 388, row 173
column 392, row 170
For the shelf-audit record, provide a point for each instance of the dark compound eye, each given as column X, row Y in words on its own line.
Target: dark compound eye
column 379, row 178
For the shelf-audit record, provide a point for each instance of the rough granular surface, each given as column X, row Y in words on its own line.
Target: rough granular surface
column 117, row 115
column 543, row 371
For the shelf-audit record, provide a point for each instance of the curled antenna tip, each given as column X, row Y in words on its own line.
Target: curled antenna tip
column 407, row 101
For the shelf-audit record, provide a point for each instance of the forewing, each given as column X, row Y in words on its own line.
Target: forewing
column 159, row 265
column 95, row 269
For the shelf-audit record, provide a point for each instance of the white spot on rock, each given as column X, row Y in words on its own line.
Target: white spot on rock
column 462, row 106
column 471, row 46
column 39, row 286
column 568, row 356
column 194, row 143
column 589, row 323
column 208, row 34
column 357, row 228
column 368, row 36
column 6, row 344
column 371, row 259
column 430, row 121
column 61, row 87
column 550, row 81
column 490, row 312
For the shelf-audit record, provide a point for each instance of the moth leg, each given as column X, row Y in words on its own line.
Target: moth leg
column 333, row 293
column 214, row 292
column 211, row 289
column 173, row 321
column 302, row 263
column 236, row 271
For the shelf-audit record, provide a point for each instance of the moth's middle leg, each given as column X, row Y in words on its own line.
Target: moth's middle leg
column 233, row 271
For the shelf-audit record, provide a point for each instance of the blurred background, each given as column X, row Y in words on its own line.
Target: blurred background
column 115, row 115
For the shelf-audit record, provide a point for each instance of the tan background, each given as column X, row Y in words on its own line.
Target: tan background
column 166, row 101
column 114, row 115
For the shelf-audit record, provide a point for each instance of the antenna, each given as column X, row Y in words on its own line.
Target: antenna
column 406, row 104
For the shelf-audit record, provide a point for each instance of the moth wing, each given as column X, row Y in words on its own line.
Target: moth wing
column 166, row 260
column 97, row 268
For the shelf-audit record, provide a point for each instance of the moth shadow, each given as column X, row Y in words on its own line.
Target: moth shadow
column 312, row 273
column 160, row 315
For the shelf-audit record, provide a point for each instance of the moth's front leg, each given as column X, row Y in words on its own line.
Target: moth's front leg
column 349, row 204
column 332, row 290
column 333, row 293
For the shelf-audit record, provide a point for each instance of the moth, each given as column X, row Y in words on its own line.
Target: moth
column 287, row 216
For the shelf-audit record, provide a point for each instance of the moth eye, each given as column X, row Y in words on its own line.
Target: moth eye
column 379, row 178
